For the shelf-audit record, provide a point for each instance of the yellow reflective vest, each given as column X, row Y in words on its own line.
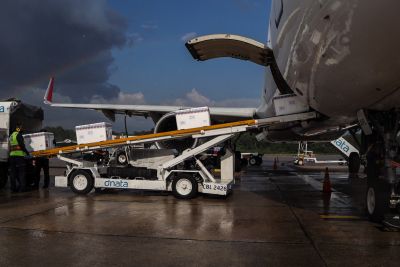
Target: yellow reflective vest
column 15, row 150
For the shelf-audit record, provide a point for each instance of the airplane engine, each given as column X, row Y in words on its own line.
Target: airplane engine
column 168, row 123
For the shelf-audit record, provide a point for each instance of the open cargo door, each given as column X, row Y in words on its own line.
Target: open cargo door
column 226, row 45
column 234, row 46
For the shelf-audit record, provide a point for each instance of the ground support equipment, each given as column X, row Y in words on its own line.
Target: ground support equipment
column 169, row 173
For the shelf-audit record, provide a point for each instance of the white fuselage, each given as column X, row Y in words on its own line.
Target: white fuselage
column 339, row 56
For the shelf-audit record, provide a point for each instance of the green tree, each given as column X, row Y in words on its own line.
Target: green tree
column 60, row 134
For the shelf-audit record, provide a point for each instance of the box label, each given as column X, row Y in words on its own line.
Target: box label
column 2, row 108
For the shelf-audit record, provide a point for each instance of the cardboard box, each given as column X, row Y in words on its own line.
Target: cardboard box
column 39, row 141
column 193, row 118
column 289, row 104
column 92, row 133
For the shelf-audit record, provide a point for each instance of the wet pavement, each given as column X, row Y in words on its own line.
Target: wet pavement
column 273, row 218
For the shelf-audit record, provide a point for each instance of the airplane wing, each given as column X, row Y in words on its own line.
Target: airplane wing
column 154, row 111
column 201, row 48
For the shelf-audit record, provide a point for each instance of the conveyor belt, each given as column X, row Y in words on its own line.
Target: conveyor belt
column 219, row 129
column 148, row 137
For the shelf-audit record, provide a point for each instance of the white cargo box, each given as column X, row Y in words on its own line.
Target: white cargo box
column 193, row 118
column 92, row 133
column 289, row 104
column 39, row 141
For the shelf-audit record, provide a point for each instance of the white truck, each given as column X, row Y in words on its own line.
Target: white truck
column 11, row 112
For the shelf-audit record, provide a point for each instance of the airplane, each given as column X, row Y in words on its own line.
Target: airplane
column 335, row 57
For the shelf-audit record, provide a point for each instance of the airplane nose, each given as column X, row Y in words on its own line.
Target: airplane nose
column 356, row 63
column 376, row 22
column 369, row 27
column 375, row 44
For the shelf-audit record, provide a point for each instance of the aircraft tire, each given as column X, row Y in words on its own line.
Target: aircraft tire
column 377, row 199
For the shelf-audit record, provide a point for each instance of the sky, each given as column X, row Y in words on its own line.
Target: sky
column 126, row 52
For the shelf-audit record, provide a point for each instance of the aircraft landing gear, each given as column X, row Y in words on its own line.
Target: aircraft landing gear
column 354, row 163
column 382, row 147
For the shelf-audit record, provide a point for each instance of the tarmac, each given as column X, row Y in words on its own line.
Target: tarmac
column 273, row 218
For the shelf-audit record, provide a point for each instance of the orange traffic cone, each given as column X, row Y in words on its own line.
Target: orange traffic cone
column 275, row 165
column 327, row 182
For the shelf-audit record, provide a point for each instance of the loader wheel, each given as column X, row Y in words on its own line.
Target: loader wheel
column 185, row 187
column 253, row 161
column 122, row 159
column 259, row 160
column 81, row 182
column 377, row 199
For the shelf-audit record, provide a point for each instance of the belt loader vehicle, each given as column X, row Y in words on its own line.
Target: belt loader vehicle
column 158, row 169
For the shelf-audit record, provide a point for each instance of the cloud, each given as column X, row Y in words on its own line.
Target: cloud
column 195, row 99
column 149, row 26
column 71, row 39
column 188, row 36
column 123, row 98
column 69, row 118
column 134, row 38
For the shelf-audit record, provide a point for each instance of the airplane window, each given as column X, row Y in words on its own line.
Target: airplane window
column 278, row 9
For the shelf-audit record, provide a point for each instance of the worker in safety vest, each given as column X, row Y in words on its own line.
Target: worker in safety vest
column 40, row 163
column 18, row 154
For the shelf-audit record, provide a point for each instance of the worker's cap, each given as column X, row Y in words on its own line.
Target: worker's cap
column 19, row 124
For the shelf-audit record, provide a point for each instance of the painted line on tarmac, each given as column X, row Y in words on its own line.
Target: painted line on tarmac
column 317, row 185
column 21, row 229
